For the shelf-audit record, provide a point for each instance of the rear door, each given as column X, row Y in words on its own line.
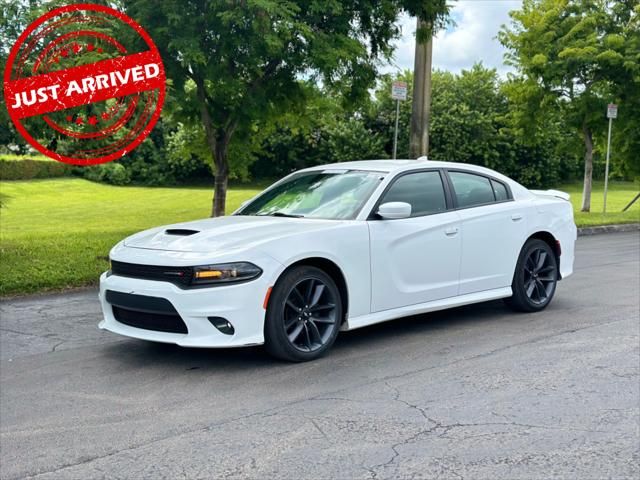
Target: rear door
column 415, row 260
column 493, row 230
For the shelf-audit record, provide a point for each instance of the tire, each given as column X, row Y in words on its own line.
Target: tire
column 535, row 278
column 303, row 315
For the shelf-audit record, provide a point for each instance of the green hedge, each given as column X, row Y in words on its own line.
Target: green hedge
column 17, row 167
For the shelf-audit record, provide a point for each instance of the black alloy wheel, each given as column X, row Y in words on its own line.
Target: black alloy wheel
column 535, row 278
column 539, row 276
column 310, row 315
column 303, row 315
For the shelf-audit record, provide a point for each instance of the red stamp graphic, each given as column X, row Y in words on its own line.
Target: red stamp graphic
column 84, row 84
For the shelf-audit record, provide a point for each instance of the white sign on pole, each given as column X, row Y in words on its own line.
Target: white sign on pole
column 399, row 90
column 612, row 112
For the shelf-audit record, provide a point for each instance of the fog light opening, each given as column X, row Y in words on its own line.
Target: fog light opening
column 222, row 324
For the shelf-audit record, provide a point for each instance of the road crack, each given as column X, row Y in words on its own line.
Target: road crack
column 445, row 429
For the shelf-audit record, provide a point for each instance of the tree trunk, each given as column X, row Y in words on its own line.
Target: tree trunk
column 218, row 143
column 222, row 179
column 421, row 104
column 588, row 168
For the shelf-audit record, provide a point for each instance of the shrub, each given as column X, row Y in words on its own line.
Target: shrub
column 111, row 172
column 17, row 167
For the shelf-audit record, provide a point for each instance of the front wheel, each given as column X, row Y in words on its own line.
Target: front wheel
column 535, row 278
column 303, row 316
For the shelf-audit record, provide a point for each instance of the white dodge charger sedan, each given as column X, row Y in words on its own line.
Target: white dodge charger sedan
column 339, row 247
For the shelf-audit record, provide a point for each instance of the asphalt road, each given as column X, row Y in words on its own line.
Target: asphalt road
column 476, row 392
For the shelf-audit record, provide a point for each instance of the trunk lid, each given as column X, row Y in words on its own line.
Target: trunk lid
column 551, row 193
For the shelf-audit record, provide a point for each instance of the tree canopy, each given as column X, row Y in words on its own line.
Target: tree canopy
column 577, row 56
column 237, row 65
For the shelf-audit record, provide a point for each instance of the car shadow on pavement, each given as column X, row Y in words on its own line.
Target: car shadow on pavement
column 139, row 353
column 427, row 323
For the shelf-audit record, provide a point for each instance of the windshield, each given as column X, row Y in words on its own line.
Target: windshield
column 328, row 194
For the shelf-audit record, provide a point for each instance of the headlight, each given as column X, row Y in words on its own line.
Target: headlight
column 225, row 273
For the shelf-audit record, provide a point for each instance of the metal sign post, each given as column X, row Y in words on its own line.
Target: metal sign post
column 395, row 135
column 398, row 92
column 612, row 112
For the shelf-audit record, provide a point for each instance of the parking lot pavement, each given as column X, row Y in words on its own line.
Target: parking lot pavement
column 475, row 392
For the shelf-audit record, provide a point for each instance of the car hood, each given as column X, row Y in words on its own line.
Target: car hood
column 223, row 234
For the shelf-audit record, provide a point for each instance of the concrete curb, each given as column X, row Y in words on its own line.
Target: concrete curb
column 628, row 227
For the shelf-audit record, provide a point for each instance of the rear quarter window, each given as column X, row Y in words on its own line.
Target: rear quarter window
column 500, row 191
column 471, row 190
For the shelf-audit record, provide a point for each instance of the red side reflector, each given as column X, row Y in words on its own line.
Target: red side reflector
column 558, row 247
column 266, row 298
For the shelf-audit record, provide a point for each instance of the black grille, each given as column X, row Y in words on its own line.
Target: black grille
column 148, row 313
column 150, row 321
column 181, row 276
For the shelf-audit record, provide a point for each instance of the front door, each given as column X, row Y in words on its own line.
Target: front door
column 417, row 259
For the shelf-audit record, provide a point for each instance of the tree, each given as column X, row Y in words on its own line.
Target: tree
column 576, row 52
column 627, row 127
column 476, row 120
column 325, row 131
column 432, row 16
column 421, row 101
column 237, row 64
column 14, row 17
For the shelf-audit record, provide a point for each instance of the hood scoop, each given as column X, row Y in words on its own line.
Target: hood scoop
column 180, row 232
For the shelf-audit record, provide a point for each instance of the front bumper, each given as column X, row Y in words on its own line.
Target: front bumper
column 240, row 304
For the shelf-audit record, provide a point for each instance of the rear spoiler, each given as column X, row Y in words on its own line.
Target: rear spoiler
column 552, row 193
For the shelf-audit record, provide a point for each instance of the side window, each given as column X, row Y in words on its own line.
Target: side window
column 500, row 191
column 471, row 190
column 422, row 190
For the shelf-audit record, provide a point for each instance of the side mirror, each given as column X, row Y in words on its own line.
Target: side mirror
column 394, row 210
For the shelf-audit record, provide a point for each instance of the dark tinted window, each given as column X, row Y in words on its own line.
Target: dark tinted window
column 500, row 191
column 471, row 189
column 422, row 190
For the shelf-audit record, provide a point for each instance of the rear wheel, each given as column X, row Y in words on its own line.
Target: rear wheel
column 535, row 278
column 303, row 315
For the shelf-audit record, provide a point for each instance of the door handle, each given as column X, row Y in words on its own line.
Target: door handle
column 516, row 217
column 451, row 232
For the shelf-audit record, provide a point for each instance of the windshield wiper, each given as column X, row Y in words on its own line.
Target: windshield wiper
column 282, row 214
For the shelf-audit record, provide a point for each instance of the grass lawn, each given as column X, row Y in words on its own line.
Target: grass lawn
column 56, row 233
column 19, row 158
column 618, row 196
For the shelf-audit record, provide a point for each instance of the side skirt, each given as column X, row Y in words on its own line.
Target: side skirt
column 442, row 304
